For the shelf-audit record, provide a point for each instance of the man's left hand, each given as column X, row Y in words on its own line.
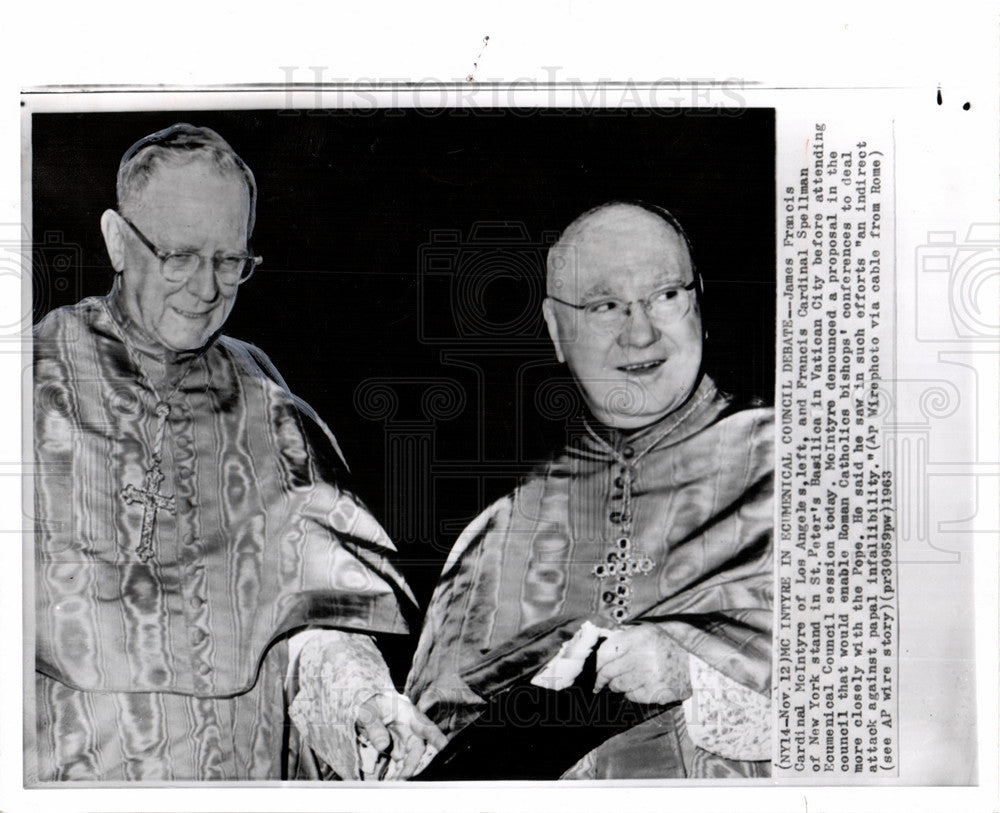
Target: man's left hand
column 643, row 663
column 404, row 737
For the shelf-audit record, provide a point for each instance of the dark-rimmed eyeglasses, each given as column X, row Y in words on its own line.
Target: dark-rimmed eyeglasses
column 179, row 266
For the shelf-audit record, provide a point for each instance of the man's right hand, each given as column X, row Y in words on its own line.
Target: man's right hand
column 643, row 663
column 402, row 740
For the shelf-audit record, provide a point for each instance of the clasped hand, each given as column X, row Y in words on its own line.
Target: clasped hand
column 643, row 663
column 397, row 740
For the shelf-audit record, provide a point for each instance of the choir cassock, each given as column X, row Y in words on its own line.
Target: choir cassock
column 191, row 513
column 670, row 525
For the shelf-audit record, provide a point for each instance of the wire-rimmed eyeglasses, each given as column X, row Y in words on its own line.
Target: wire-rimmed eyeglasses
column 663, row 307
column 178, row 266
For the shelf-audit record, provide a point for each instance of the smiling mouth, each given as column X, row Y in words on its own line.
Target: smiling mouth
column 641, row 367
column 191, row 314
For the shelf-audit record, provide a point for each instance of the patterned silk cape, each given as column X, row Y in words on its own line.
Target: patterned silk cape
column 520, row 580
column 263, row 536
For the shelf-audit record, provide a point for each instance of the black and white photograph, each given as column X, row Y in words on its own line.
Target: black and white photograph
column 446, row 408
column 474, row 480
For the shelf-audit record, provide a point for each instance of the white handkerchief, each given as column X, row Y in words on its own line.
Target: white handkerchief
column 567, row 664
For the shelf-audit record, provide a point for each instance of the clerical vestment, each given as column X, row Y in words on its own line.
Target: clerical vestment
column 529, row 571
column 190, row 513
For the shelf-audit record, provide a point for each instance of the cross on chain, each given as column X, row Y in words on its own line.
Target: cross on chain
column 149, row 495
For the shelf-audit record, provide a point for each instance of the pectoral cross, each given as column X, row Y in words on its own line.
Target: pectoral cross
column 149, row 495
column 623, row 563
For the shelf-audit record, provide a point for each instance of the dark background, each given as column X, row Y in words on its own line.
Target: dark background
column 404, row 271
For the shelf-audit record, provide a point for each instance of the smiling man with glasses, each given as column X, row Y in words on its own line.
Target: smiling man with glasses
column 179, row 271
column 611, row 619
column 206, row 583
column 179, row 266
column 636, row 351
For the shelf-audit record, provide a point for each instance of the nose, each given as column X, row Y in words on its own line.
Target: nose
column 639, row 331
column 202, row 282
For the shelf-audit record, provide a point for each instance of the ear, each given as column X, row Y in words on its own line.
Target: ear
column 553, row 325
column 114, row 239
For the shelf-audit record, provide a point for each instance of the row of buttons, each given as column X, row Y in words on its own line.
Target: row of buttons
column 618, row 517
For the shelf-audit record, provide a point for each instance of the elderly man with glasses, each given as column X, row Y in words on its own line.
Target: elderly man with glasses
column 611, row 618
column 206, row 583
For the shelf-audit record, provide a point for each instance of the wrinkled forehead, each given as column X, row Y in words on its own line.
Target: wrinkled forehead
column 194, row 191
column 616, row 249
column 193, row 175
